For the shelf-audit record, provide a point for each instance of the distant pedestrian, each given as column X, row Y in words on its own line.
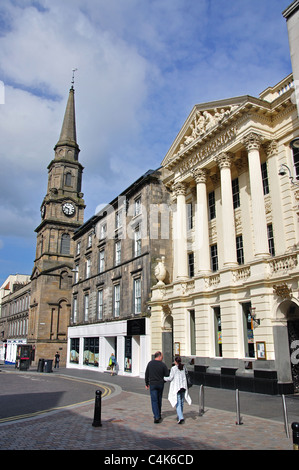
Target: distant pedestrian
column 112, row 362
column 178, row 390
column 154, row 381
column 57, row 359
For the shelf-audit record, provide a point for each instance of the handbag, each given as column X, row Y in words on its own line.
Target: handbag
column 189, row 380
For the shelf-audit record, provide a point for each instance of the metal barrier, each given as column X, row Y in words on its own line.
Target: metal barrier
column 238, row 412
column 285, row 416
column 201, row 400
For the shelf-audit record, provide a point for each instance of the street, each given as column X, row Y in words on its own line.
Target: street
column 24, row 394
column 55, row 411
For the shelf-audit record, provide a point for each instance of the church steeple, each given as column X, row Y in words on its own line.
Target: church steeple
column 68, row 135
column 64, row 199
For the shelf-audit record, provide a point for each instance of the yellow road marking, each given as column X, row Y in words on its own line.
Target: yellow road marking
column 106, row 393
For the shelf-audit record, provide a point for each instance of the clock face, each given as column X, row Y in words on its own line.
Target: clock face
column 68, row 208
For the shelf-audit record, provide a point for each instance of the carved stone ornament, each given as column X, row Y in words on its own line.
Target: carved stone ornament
column 179, row 189
column 160, row 271
column 200, row 175
column 224, row 160
column 203, row 122
column 252, row 141
column 283, row 291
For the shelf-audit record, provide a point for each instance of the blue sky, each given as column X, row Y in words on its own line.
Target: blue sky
column 142, row 66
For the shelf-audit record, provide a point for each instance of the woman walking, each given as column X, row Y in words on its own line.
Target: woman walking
column 178, row 390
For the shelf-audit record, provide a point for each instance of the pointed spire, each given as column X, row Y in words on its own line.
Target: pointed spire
column 68, row 135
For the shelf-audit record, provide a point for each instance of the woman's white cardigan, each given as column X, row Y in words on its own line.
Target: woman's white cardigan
column 177, row 379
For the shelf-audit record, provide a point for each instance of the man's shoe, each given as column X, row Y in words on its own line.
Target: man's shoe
column 180, row 421
column 157, row 420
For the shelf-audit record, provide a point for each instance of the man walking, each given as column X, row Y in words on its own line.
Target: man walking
column 155, row 372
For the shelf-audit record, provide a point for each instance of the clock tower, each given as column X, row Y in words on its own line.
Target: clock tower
column 62, row 212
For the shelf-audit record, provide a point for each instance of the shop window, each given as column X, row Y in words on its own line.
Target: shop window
column 91, row 352
column 74, row 350
column 128, row 354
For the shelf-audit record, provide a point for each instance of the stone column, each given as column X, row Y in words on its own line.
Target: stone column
column 228, row 219
column 202, row 222
column 180, row 242
column 252, row 142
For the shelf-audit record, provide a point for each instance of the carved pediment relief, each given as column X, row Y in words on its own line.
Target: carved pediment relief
column 203, row 121
column 200, row 122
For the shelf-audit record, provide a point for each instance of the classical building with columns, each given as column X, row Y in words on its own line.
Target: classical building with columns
column 231, row 307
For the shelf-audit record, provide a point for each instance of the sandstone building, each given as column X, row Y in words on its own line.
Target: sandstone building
column 116, row 253
column 62, row 212
column 14, row 316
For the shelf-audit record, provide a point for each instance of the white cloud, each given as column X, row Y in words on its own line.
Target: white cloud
column 141, row 68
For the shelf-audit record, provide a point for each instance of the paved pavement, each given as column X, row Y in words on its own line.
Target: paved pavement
column 127, row 424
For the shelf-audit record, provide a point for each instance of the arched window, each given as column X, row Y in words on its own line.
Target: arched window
column 65, row 244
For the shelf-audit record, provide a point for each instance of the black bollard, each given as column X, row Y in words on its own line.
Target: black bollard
column 97, row 409
column 295, row 428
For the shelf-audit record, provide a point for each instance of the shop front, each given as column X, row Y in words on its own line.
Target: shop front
column 12, row 350
column 90, row 346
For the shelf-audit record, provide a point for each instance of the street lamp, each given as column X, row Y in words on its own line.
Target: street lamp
column 294, row 145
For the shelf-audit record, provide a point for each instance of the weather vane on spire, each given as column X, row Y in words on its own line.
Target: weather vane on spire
column 73, row 77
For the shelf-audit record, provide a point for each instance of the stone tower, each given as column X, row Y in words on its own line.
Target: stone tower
column 62, row 212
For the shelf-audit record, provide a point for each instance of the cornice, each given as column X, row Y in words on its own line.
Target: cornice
column 57, row 224
column 291, row 9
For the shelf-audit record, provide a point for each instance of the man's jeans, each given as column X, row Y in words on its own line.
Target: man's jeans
column 156, row 392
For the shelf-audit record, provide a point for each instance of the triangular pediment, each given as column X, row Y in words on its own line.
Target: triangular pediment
column 203, row 119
